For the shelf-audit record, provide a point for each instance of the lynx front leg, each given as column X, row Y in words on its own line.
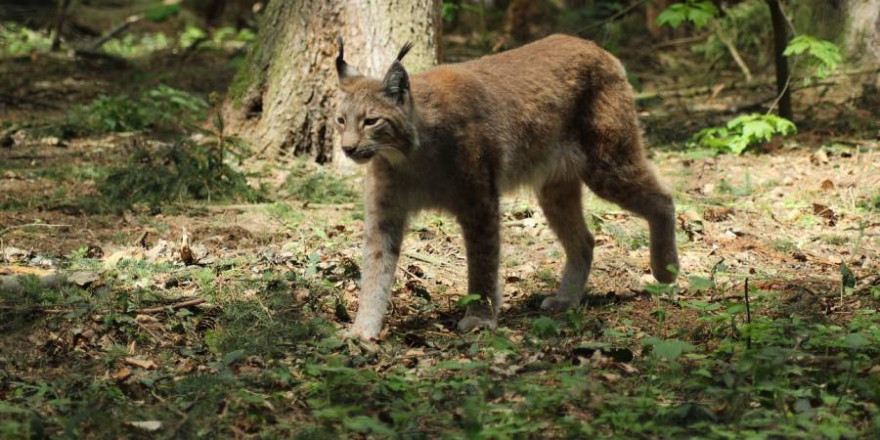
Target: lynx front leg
column 483, row 245
column 383, row 234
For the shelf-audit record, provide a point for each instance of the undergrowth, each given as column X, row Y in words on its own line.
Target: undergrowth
column 183, row 171
column 317, row 185
column 160, row 108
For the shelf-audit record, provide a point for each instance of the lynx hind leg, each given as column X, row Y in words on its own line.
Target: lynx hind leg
column 561, row 203
column 639, row 191
column 617, row 170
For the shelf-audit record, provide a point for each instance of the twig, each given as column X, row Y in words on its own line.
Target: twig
column 733, row 53
column 748, row 316
column 782, row 93
column 43, row 225
column 425, row 258
column 611, row 18
column 677, row 41
column 118, row 30
column 175, row 306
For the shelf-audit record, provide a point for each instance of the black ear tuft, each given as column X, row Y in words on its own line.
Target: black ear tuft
column 396, row 79
column 343, row 70
column 404, row 50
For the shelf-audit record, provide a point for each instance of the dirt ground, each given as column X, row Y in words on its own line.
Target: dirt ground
column 788, row 219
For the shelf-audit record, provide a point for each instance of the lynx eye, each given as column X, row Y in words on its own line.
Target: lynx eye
column 340, row 120
column 371, row 121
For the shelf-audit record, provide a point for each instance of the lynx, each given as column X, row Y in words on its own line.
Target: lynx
column 553, row 115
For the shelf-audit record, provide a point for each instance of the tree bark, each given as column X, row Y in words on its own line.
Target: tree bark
column 854, row 25
column 284, row 95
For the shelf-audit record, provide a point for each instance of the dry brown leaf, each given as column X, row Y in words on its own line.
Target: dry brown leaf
column 826, row 185
column 610, row 377
column 825, row 212
column 819, row 158
column 121, row 374
column 24, row 270
column 717, row 213
column 145, row 364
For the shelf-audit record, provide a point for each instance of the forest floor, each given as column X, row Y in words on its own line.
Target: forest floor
column 219, row 319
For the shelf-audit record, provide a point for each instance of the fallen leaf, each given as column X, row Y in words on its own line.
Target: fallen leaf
column 610, row 377
column 129, row 253
column 825, row 212
column 826, row 185
column 717, row 213
column 15, row 255
column 146, row 364
column 819, row 158
column 83, row 278
column 121, row 374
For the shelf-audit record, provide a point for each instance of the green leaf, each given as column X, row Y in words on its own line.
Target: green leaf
column 698, row 12
column 699, row 284
column 232, row 357
column 743, row 131
column 467, row 299
column 545, row 326
column 856, row 340
column 457, row 365
column 367, row 425
column 824, row 55
column 668, row 349
column 673, row 16
column 701, row 13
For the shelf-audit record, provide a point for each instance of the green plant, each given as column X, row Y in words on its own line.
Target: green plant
column 316, row 184
column 871, row 203
column 184, row 170
column 824, row 56
column 18, row 40
column 132, row 45
column 743, row 131
column 698, row 12
column 160, row 107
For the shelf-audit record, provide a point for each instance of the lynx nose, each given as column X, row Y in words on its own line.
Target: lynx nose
column 349, row 149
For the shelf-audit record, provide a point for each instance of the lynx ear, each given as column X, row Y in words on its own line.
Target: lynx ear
column 397, row 80
column 343, row 70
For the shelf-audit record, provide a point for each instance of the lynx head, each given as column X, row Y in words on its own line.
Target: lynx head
column 376, row 117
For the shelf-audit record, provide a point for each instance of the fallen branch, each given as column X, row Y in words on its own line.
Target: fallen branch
column 731, row 47
column 689, row 92
column 175, row 306
column 115, row 32
column 425, row 258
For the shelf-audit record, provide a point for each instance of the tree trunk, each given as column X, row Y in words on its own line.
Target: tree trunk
column 284, row 95
column 854, row 25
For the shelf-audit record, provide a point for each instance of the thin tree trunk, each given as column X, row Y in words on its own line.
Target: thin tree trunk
column 780, row 41
column 284, row 95
column 59, row 24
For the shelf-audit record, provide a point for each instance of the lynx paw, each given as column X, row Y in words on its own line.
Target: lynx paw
column 359, row 332
column 558, row 303
column 469, row 323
